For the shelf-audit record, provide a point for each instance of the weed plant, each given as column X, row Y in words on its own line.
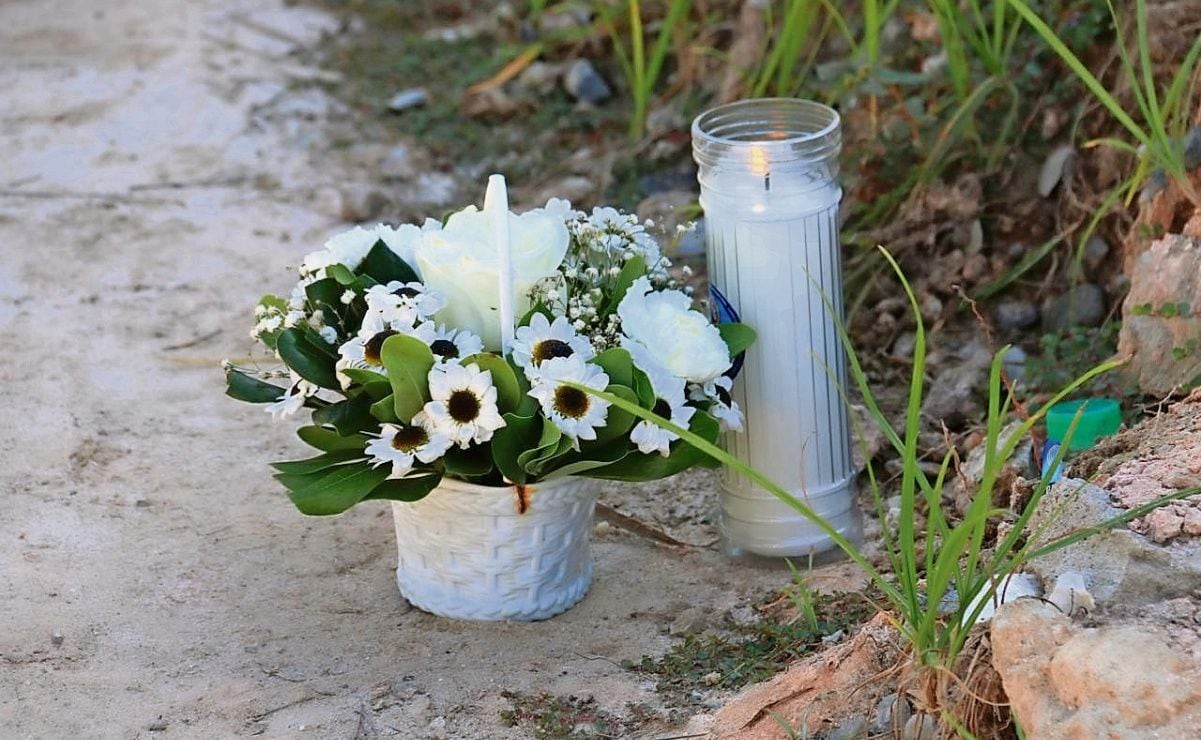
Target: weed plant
column 1165, row 110
column 933, row 560
column 642, row 64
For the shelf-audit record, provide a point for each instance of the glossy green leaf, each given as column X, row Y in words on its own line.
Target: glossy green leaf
column 520, row 433
column 630, row 271
column 405, row 489
column 617, row 364
column 342, row 274
column 408, row 361
column 337, row 489
column 471, row 462
column 328, row 440
column 385, row 410
column 617, row 420
column 348, row 416
column 375, row 384
column 320, row 462
column 242, row 387
column 590, row 459
column 639, row 467
column 310, row 361
column 508, row 391
column 384, row 266
column 737, row 337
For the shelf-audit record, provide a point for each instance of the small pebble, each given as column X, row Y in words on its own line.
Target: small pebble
column 892, row 712
column 56, row 639
column 585, row 84
column 410, row 98
column 851, row 728
column 157, row 725
column 920, row 727
column 1015, row 315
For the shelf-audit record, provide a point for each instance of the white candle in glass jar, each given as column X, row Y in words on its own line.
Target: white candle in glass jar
column 767, row 170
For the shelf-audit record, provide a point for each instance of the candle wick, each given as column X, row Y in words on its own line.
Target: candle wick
column 767, row 180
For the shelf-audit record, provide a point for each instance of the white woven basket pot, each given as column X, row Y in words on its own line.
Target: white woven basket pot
column 492, row 553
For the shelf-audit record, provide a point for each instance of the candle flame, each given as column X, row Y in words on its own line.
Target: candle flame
column 759, row 161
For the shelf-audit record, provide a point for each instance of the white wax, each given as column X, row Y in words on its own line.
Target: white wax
column 496, row 205
column 773, row 251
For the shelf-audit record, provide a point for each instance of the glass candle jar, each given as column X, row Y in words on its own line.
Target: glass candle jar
column 768, row 174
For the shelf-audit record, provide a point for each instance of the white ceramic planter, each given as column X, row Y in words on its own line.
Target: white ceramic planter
column 493, row 553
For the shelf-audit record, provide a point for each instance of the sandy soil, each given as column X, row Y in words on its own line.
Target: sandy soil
column 163, row 163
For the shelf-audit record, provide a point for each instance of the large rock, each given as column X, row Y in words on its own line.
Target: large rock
column 1161, row 314
column 816, row 692
column 1117, row 565
column 1067, row 682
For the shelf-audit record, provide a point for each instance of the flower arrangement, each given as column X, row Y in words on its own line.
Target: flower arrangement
column 394, row 339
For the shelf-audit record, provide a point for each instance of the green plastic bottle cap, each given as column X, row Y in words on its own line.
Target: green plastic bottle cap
column 1099, row 417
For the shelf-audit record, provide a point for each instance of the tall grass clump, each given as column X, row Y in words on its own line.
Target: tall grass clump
column 941, row 572
column 1163, row 111
column 641, row 64
column 796, row 30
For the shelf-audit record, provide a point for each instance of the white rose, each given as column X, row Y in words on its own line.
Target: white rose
column 460, row 262
column 350, row 248
column 661, row 329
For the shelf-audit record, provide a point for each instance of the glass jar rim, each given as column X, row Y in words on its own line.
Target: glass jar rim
column 702, row 125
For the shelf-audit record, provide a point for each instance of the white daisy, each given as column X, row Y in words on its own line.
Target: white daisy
column 451, row 345
column 670, row 404
column 576, row 413
column 362, row 353
column 723, row 407
column 463, row 404
column 400, row 300
column 543, row 340
column 293, row 398
column 401, row 445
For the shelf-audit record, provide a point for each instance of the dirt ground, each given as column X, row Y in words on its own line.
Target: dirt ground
column 163, row 163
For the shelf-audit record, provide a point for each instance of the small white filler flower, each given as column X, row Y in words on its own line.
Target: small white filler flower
column 671, row 404
column 576, row 413
column 401, row 445
column 544, row 340
column 724, row 408
column 293, row 398
column 463, row 405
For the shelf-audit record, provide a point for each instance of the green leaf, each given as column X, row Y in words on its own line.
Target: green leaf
column 337, row 489
column 384, row 266
column 375, row 384
column 617, row 420
column 349, row 416
column 590, row 459
column 408, row 361
column 321, row 462
column 508, row 391
column 405, row 489
column 633, row 269
column 617, row 364
column 548, row 447
column 520, row 433
column 644, row 390
column 639, row 467
column 385, row 410
column 737, row 337
column 310, row 361
column 326, row 294
column 473, row 461
column 329, row 439
column 342, row 274
column 240, row 386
